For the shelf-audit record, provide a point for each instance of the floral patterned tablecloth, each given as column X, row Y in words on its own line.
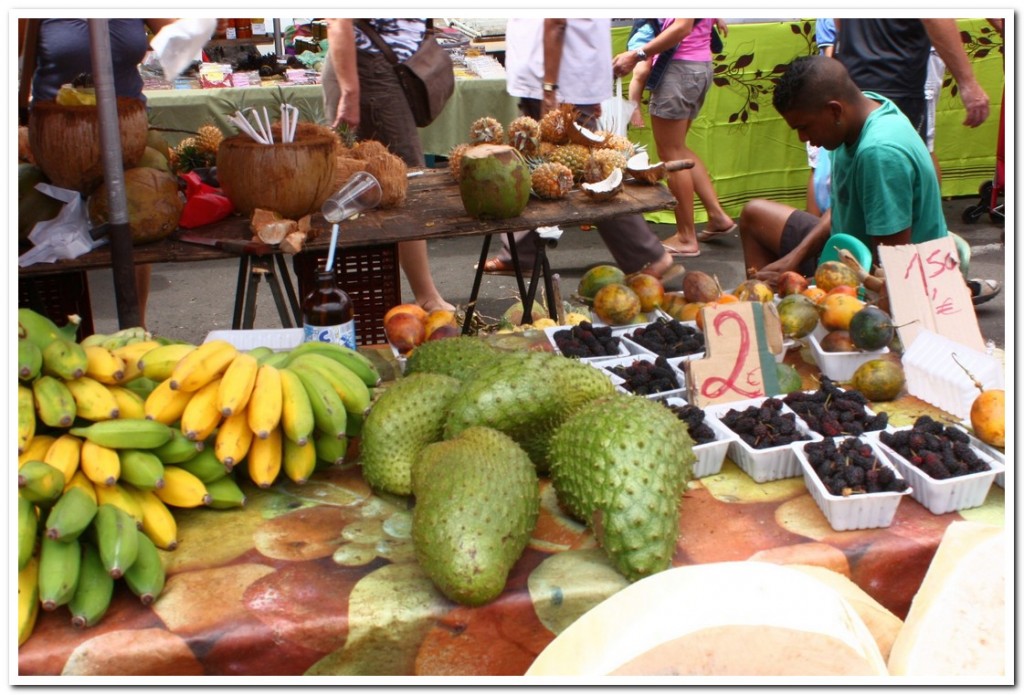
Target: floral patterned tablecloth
column 321, row 579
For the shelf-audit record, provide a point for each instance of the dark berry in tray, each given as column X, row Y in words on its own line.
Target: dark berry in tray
column 668, row 338
column 764, row 426
column 643, row 377
column 938, row 451
column 851, row 468
column 587, row 340
column 833, row 412
column 693, row 416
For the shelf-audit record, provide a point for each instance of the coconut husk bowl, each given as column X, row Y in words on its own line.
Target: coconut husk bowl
column 65, row 141
column 293, row 179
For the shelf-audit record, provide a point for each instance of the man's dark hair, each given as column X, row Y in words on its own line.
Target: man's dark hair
column 811, row 81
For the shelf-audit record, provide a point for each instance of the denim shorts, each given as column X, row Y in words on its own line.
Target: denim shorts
column 799, row 225
column 681, row 91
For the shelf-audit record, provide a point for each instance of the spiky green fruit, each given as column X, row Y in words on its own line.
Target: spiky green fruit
column 526, row 395
column 458, row 356
column 477, row 502
column 620, row 465
column 406, row 417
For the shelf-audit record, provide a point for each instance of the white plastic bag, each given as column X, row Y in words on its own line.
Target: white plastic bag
column 66, row 235
column 616, row 112
column 177, row 44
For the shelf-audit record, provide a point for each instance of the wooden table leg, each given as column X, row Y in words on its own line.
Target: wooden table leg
column 471, row 306
column 243, row 272
column 286, row 280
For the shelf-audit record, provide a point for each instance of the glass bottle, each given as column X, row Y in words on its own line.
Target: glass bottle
column 243, row 28
column 327, row 313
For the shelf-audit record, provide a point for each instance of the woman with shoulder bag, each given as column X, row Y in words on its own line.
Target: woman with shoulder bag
column 362, row 91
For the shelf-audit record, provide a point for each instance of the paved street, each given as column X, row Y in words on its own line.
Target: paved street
column 187, row 301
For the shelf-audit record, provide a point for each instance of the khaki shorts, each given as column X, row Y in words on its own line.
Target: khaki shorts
column 680, row 92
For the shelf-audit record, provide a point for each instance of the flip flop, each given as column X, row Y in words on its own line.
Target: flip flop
column 681, row 254
column 983, row 290
column 496, row 266
column 705, row 234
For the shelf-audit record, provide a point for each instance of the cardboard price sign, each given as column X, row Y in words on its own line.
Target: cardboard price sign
column 927, row 291
column 741, row 340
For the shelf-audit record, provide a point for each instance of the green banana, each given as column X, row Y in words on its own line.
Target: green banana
column 59, row 566
column 358, row 363
column 205, row 466
column 354, row 425
column 54, row 402
column 328, row 409
column 65, row 359
column 260, row 352
column 94, row 591
column 30, row 359
column 349, row 387
column 41, row 330
column 26, row 417
column 141, row 385
column 28, row 523
column 96, row 339
column 70, row 515
column 126, row 336
column 330, row 449
column 39, row 482
column 276, row 359
column 178, row 448
column 146, row 575
column 117, row 539
column 125, row 433
column 225, row 494
column 142, row 468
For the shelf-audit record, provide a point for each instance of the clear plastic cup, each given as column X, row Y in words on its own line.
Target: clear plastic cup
column 360, row 192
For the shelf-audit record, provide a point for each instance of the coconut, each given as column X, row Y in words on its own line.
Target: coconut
column 369, row 149
column 495, row 182
column 585, row 136
column 154, row 204
column 605, row 189
column 65, row 141
column 291, row 178
column 344, row 168
column 390, row 170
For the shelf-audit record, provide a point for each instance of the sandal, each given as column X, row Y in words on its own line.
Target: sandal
column 705, row 234
column 983, row 290
column 681, row 254
column 496, row 266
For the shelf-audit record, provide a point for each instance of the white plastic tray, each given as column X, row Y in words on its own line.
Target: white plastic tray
column 862, row 511
column 274, row 338
column 710, row 455
column 763, row 465
column 838, row 366
column 606, row 364
column 616, row 332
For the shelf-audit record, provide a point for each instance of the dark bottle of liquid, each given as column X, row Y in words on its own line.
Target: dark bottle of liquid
column 327, row 313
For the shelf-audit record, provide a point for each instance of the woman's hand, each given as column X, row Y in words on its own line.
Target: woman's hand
column 624, row 63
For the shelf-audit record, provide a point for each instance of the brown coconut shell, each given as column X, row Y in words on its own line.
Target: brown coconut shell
column 292, row 179
column 344, row 167
column 65, row 141
column 390, row 171
column 369, row 149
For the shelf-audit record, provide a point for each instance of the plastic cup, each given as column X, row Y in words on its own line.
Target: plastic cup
column 360, row 192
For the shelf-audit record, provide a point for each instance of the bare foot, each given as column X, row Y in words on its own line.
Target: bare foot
column 437, row 304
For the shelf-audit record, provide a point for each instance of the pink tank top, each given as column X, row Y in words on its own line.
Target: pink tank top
column 697, row 44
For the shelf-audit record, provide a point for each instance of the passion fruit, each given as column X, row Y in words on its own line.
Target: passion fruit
column 596, row 278
column 837, row 341
column 837, row 311
column 879, row 380
column 698, row 286
column 871, row 328
column 988, row 417
column 616, row 304
column 798, row 316
column 648, row 288
column 834, row 273
column 789, row 378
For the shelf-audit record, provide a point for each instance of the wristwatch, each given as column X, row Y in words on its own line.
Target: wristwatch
column 550, row 87
column 641, row 54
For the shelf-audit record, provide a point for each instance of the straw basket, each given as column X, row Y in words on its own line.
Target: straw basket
column 293, row 178
column 65, row 141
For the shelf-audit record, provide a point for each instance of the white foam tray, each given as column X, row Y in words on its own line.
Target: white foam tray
column 763, row 465
column 950, row 494
column 274, row 338
column 869, row 411
column 838, row 366
column 854, row 512
column 606, row 364
column 616, row 332
column 710, row 455
column 935, row 377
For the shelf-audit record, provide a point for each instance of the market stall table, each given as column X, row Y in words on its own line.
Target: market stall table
column 321, row 578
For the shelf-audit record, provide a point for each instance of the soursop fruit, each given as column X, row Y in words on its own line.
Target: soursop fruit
column 458, row 356
column 406, row 417
column 526, row 395
column 477, row 501
column 620, row 465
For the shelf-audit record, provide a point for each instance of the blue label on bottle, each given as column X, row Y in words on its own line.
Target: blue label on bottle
column 341, row 334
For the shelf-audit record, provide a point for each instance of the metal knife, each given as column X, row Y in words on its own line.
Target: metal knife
column 255, row 248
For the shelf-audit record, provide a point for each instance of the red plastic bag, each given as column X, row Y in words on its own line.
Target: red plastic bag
column 204, row 204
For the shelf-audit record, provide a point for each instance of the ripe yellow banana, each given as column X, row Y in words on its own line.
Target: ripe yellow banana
column 264, row 459
column 93, row 400
column 103, row 365
column 99, row 464
column 298, row 461
column 159, row 363
column 26, row 417
column 296, row 410
column 182, row 489
column 237, row 384
column 201, row 415
column 165, row 404
column 201, row 366
column 54, row 402
column 28, row 599
column 28, row 526
column 118, row 496
column 158, row 522
column 129, row 403
column 234, row 438
column 64, row 455
column 265, row 404
column 131, row 354
column 36, row 449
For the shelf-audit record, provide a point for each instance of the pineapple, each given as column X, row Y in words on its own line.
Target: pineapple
column 601, row 163
column 208, row 138
column 524, row 135
column 553, row 128
column 486, row 130
column 622, row 144
column 573, row 156
column 188, row 156
column 455, row 160
column 551, row 180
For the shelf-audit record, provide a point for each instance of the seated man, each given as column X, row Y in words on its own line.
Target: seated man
column 884, row 188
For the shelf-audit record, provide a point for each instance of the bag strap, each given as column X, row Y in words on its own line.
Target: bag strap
column 380, row 43
column 28, row 66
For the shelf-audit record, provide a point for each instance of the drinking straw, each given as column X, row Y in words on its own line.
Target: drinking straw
column 334, row 243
